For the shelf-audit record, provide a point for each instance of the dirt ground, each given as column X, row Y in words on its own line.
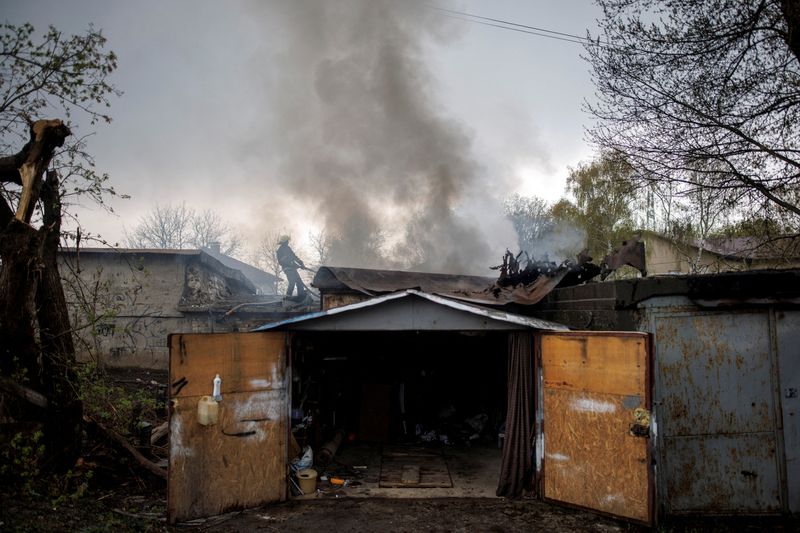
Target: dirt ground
column 145, row 513
column 333, row 515
column 452, row 515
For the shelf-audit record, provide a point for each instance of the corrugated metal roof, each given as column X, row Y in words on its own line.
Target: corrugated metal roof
column 494, row 314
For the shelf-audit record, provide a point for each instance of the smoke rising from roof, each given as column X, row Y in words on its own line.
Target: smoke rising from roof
column 360, row 136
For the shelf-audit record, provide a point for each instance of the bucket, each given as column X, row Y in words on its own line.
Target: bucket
column 308, row 480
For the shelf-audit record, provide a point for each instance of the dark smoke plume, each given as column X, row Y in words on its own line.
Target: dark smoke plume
column 360, row 135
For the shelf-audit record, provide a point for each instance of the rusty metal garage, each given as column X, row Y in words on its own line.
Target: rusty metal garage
column 726, row 373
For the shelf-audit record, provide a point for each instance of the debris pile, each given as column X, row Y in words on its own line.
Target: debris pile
column 451, row 430
column 526, row 280
column 522, row 269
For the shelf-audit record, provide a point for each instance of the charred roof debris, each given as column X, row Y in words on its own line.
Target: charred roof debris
column 526, row 280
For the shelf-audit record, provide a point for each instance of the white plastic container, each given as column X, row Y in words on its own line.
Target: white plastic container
column 207, row 411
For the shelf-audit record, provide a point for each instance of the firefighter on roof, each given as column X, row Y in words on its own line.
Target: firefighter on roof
column 290, row 263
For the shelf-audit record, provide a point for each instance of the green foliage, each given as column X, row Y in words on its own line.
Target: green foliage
column 56, row 76
column 112, row 405
column 57, row 73
column 20, row 461
column 762, row 227
column 604, row 194
column 69, row 487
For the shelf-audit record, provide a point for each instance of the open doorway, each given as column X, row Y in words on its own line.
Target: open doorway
column 401, row 414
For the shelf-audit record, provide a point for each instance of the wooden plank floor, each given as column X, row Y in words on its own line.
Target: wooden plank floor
column 433, row 471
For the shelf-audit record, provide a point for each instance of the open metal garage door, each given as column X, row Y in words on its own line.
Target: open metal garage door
column 595, row 404
column 239, row 461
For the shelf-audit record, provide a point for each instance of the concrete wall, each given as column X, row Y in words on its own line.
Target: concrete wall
column 124, row 305
column 664, row 256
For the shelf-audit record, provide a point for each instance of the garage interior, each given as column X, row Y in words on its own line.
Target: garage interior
column 414, row 413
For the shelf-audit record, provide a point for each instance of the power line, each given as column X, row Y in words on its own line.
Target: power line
column 509, row 23
column 521, row 28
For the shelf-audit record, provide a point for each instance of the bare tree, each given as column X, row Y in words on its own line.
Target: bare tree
column 699, row 211
column 178, row 226
column 164, row 226
column 703, row 86
column 321, row 244
column 531, row 218
column 208, row 229
column 264, row 256
column 97, row 300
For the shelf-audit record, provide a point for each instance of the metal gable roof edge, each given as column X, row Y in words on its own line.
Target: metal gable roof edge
column 531, row 322
column 495, row 314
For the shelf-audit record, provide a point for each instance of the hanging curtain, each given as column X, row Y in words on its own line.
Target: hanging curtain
column 517, row 465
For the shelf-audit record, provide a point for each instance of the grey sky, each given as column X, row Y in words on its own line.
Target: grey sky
column 207, row 86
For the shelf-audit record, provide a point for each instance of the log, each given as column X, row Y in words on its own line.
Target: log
column 159, row 433
column 143, row 461
column 329, row 449
column 23, row 392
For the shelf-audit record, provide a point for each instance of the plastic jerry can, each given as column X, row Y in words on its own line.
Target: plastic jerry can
column 207, row 411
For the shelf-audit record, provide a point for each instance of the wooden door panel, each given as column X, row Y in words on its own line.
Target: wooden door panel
column 595, row 389
column 240, row 461
column 244, row 361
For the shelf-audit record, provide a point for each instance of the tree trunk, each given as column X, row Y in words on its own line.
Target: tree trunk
column 19, row 250
column 36, row 347
column 791, row 14
column 65, row 415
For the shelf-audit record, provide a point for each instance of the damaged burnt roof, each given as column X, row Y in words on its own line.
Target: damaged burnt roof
column 372, row 282
column 474, row 289
column 411, row 309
